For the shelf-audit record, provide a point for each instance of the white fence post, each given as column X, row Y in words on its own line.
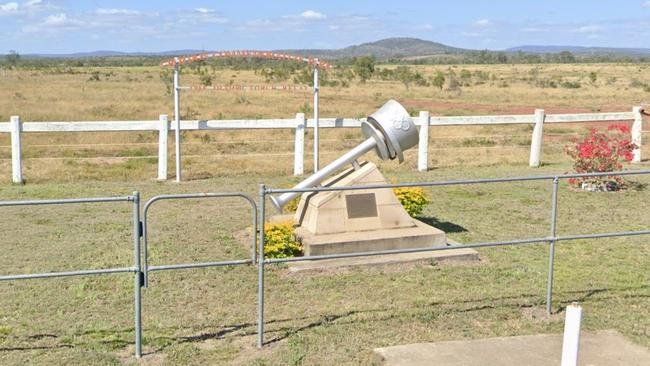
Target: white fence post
column 637, row 127
column 423, row 144
column 16, row 151
column 571, row 339
column 299, row 149
column 163, row 135
column 536, row 141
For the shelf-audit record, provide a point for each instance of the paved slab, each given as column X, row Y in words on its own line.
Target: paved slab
column 600, row 348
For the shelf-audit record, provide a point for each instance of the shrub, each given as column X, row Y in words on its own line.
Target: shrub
column 412, row 198
column 593, row 77
column 601, row 151
column 292, row 205
column 570, row 84
column 94, row 76
column 439, row 80
column 279, row 241
column 206, row 79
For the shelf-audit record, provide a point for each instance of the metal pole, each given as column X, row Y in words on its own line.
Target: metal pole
column 315, row 179
column 177, row 119
column 260, row 270
column 137, row 282
column 316, row 164
column 551, row 254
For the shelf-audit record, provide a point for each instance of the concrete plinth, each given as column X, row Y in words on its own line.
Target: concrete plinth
column 364, row 220
column 418, row 236
column 451, row 255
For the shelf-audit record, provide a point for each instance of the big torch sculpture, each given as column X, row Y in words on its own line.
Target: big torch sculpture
column 389, row 132
column 331, row 222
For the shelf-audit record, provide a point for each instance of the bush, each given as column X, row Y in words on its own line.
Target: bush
column 279, row 241
column 412, row 198
column 601, row 151
column 570, row 84
column 292, row 205
column 94, row 76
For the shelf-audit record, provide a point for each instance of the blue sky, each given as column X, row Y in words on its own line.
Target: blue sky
column 44, row 26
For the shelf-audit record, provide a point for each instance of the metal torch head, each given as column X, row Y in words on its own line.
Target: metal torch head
column 396, row 127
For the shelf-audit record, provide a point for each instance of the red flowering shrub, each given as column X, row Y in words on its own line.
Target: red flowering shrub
column 601, row 151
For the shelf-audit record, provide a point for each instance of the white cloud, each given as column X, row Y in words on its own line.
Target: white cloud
column 310, row 14
column 647, row 4
column 204, row 10
column 201, row 15
column 8, row 8
column 56, row 19
column 426, row 27
column 533, row 29
column 102, row 11
column 483, row 23
column 25, row 8
column 588, row 29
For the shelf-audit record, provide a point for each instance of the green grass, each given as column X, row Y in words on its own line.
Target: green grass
column 207, row 316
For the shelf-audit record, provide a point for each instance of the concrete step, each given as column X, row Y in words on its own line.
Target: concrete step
column 419, row 236
column 453, row 255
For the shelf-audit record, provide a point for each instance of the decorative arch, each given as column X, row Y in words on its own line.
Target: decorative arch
column 254, row 54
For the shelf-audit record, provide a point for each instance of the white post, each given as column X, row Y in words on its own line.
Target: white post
column 163, row 133
column 299, row 149
column 536, row 141
column 423, row 144
column 637, row 127
column 571, row 341
column 316, row 116
column 177, row 120
column 16, row 151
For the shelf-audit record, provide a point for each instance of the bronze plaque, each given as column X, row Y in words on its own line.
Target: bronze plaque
column 361, row 205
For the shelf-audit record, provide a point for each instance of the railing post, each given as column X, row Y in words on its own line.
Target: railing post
column 316, row 122
column 423, row 144
column 551, row 250
column 177, row 118
column 16, row 150
column 260, row 269
column 299, row 149
column 163, row 135
column 138, row 279
column 536, row 141
column 637, row 128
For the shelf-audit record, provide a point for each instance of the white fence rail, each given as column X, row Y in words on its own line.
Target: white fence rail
column 15, row 127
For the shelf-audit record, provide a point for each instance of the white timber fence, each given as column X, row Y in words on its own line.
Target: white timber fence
column 16, row 127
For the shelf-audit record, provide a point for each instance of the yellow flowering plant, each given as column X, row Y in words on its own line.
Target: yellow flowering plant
column 280, row 242
column 412, row 198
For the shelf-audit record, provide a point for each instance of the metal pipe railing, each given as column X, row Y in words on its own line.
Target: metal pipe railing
column 140, row 246
column 552, row 239
column 135, row 269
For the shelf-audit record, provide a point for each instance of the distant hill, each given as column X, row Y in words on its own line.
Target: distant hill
column 581, row 50
column 384, row 49
column 389, row 48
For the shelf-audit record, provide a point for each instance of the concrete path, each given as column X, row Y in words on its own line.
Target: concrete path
column 600, row 348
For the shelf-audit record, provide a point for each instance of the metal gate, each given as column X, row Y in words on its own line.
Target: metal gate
column 135, row 269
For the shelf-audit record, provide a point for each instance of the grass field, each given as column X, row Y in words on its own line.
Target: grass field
column 208, row 316
column 138, row 93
